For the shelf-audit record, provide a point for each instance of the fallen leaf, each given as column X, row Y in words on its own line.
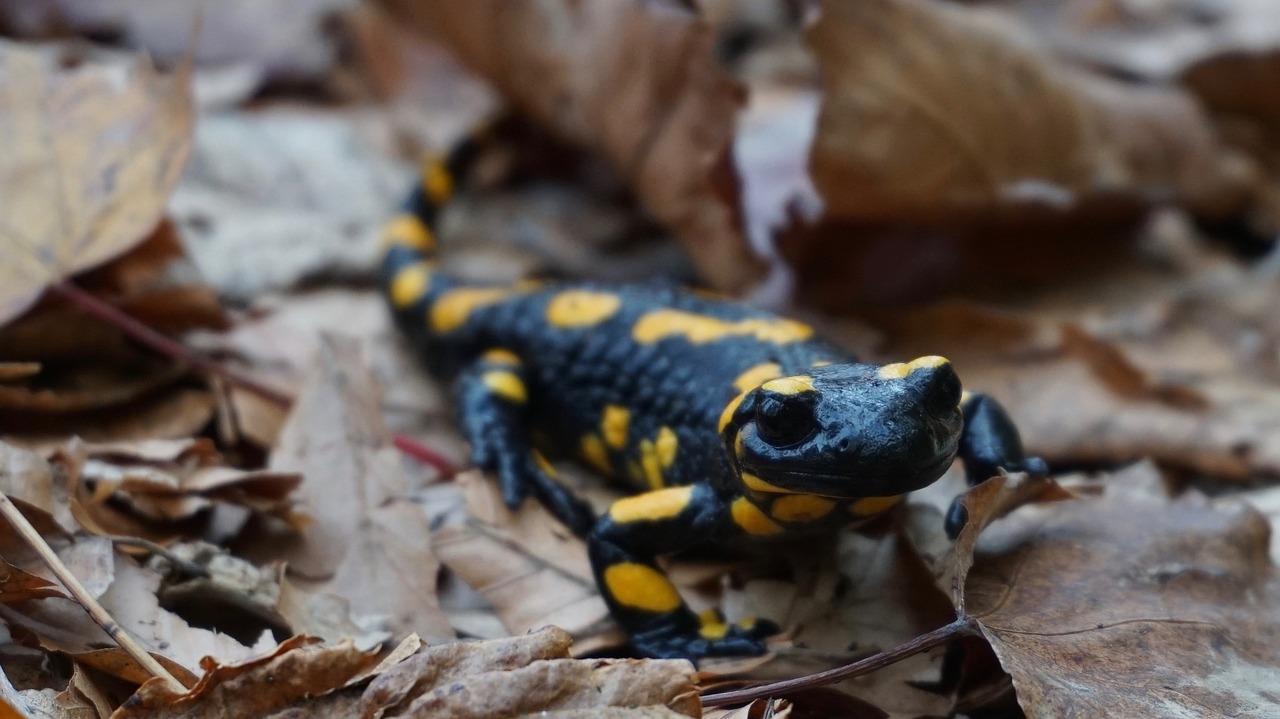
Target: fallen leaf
column 10, row 371
column 1130, row 605
column 17, row 585
column 275, row 197
column 293, row 672
column 531, row 568
column 945, row 139
column 105, row 143
column 637, row 83
column 519, row 675
column 278, row 41
column 368, row 543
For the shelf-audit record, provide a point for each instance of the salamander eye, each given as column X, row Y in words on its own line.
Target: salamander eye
column 783, row 424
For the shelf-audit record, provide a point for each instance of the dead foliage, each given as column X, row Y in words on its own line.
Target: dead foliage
column 1062, row 175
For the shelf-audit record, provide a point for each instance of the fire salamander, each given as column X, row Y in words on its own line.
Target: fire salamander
column 728, row 421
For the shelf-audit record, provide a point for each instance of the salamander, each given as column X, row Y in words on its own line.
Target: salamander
column 727, row 421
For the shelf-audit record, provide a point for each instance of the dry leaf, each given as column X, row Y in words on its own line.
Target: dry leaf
column 636, row 82
column 519, row 675
column 368, row 543
column 946, row 140
column 255, row 687
column 531, row 568
column 17, row 585
column 104, row 143
column 1133, row 606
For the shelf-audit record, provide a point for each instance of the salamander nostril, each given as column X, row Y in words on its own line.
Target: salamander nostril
column 844, row 445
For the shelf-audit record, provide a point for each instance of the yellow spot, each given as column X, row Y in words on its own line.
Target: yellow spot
column 595, row 454
column 700, row 329
column 712, row 631
column 454, row 308
column 665, row 447
column 409, row 284
column 729, row 409
column 746, row 624
column 407, row 230
column 899, row 370
column 650, row 464
column 758, row 374
column 436, row 181
column 801, row 508
column 501, row 356
column 651, row 506
column 821, row 363
column 751, row 519
column 580, row 308
column 506, row 384
column 639, row 586
column 789, row 385
column 755, row 484
column 544, row 465
column 614, row 425
column 871, row 506
column 965, row 398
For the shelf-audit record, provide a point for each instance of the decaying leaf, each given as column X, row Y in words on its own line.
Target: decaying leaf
column 17, row 585
column 102, row 143
column 368, row 543
column 636, row 82
column 531, row 568
column 519, row 675
column 173, row 480
column 1130, row 605
column 257, row 687
column 950, row 151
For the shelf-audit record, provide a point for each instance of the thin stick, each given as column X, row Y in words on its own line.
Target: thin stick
column 10, row 694
column 176, row 350
column 185, row 566
column 961, row 627
column 81, row 595
column 163, row 344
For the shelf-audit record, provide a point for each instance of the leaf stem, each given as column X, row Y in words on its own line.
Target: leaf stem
column 99, row 615
column 961, row 627
column 169, row 347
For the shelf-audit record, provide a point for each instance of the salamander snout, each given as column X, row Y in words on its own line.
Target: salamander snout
column 938, row 386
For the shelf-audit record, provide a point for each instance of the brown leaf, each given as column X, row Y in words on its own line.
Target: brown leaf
column 1133, row 606
column 10, row 371
column 17, row 585
column 946, row 139
column 131, row 600
column 531, row 568
column 511, row 677
column 1121, row 376
column 104, row 143
column 367, row 544
column 255, row 687
column 636, row 82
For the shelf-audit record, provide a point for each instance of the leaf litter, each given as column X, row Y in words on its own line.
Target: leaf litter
column 1164, row 350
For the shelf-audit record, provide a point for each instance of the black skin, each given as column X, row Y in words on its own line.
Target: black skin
column 843, row 431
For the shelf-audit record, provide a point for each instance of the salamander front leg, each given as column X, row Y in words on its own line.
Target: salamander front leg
column 491, row 404
column 990, row 442
column 622, row 548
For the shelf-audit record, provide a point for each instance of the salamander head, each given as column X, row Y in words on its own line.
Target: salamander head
column 849, row 430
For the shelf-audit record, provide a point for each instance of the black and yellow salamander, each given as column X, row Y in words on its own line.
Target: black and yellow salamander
column 728, row 421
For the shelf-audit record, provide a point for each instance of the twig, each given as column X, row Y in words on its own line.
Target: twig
column 176, row 350
column 424, row 454
column 185, row 566
column 164, row 344
column 10, row 695
column 961, row 627
column 81, row 595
